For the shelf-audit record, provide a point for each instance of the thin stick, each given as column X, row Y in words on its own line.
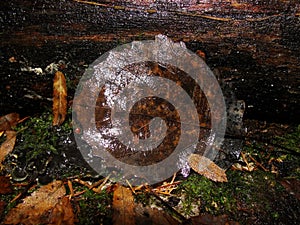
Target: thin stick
column 71, row 189
column 180, row 216
column 257, row 163
column 132, row 189
column 91, row 3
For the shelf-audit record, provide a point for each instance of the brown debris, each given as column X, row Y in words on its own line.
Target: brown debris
column 147, row 215
column 5, row 186
column 208, row 219
column 8, row 121
column 62, row 213
column 292, row 186
column 123, row 205
column 207, row 168
column 35, row 208
column 59, row 99
column 8, row 145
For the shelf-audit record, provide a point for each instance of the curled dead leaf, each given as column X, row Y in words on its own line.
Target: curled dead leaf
column 207, row 168
column 59, row 99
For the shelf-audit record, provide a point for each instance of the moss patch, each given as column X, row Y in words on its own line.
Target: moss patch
column 95, row 208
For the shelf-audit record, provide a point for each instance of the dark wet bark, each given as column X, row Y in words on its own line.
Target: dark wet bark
column 254, row 45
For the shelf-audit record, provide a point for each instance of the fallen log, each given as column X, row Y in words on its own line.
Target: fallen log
column 252, row 45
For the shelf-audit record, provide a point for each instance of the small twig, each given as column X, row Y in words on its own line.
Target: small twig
column 84, row 183
column 97, row 183
column 245, row 160
column 71, row 189
column 257, row 163
column 132, row 189
column 99, row 189
column 16, row 198
column 179, row 215
column 91, row 3
column 79, row 193
column 173, row 178
column 22, row 120
column 166, row 189
column 215, row 18
column 23, row 193
column 169, row 184
column 140, row 187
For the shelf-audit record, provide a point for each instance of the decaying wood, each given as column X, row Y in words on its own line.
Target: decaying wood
column 253, row 44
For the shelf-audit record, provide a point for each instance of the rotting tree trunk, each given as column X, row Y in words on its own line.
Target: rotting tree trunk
column 254, row 45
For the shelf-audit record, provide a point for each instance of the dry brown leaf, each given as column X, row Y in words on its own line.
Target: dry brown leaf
column 8, row 121
column 207, row 168
column 123, row 205
column 8, row 145
column 59, row 99
column 36, row 208
column 62, row 213
column 5, row 185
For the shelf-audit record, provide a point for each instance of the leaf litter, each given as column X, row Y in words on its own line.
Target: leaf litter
column 43, row 206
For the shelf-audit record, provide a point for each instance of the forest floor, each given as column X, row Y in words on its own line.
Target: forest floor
column 262, row 188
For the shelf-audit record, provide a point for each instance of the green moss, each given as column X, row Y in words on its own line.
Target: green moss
column 280, row 155
column 38, row 143
column 142, row 198
column 215, row 198
column 37, row 136
column 290, row 141
column 257, row 194
column 95, row 208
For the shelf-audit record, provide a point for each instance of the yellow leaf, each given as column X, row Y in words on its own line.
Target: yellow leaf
column 207, row 168
column 59, row 99
column 37, row 208
column 8, row 145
